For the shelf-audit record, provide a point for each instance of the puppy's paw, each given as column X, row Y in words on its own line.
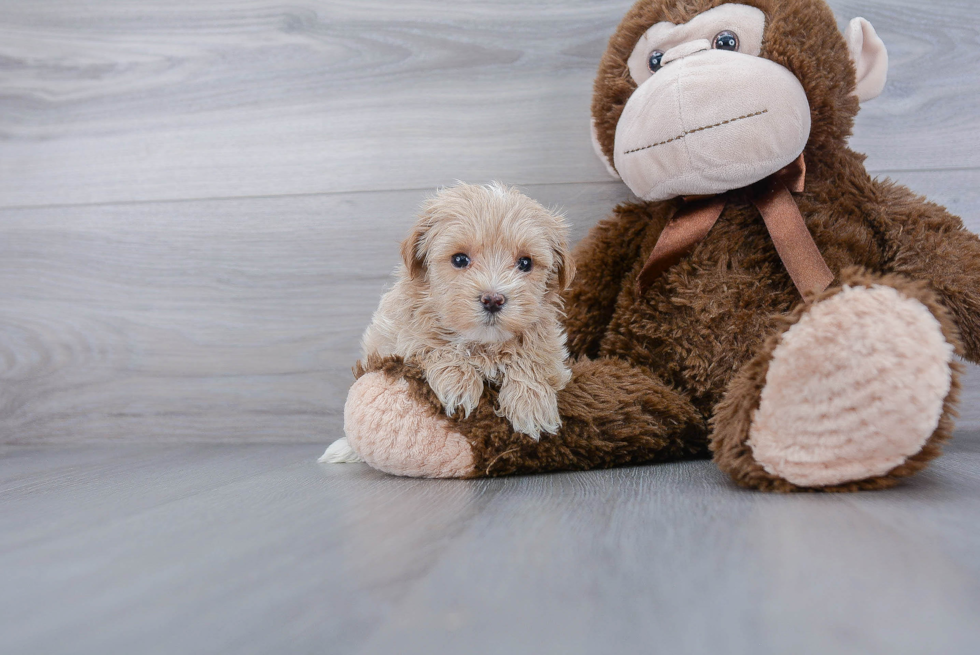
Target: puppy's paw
column 531, row 408
column 458, row 387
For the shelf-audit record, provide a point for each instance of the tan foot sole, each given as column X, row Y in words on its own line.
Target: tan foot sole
column 393, row 433
column 854, row 389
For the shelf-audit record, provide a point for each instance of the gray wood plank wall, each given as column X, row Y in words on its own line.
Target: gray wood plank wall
column 200, row 202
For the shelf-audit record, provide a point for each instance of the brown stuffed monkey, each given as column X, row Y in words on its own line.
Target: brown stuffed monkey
column 765, row 302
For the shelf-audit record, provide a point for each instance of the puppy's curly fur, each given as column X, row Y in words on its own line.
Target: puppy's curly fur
column 478, row 298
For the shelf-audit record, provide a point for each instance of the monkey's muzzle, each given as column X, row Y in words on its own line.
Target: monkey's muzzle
column 708, row 123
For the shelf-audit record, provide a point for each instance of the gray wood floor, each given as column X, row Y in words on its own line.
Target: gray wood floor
column 258, row 549
column 200, row 203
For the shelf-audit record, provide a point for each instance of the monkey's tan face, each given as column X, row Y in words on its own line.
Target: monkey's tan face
column 709, row 114
column 489, row 267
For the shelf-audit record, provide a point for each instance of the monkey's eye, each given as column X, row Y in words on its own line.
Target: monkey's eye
column 726, row 40
column 654, row 61
column 524, row 264
column 460, row 260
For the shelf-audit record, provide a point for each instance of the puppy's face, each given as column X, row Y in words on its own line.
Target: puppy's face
column 491, row 262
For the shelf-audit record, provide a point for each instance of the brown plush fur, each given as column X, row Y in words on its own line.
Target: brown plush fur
column 712, row 313
column 613, row 414
column 800, row 35
column 705, row 330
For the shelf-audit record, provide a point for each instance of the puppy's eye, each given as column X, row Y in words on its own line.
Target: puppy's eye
column 726, row 40
column 524, row 264
column 460, row 260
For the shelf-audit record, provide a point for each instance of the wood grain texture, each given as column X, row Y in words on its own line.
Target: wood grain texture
column 224, row 321
column 236, row 317
column 257, row 549
column 115, row 101
column 221, row 321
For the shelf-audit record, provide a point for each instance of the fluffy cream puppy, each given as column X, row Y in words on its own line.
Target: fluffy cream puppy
column 477, row 299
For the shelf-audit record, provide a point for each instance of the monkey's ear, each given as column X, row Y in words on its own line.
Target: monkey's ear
column 601, row 155
column 413, row 251
column 869, row 56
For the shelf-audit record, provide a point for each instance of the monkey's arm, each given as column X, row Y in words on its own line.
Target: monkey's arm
column 602, row 260
column 930, row 244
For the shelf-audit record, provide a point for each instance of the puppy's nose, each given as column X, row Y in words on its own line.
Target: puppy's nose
column 493, row 302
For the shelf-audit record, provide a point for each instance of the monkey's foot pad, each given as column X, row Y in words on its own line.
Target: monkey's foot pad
column 393, row 432
column 855, row 388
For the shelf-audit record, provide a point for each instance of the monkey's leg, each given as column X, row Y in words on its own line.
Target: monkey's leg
column 856, row 392
column 612, row 414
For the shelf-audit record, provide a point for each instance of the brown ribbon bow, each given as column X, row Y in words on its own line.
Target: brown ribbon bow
column 774, row 200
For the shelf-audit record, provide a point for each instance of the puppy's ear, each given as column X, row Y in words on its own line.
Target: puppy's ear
column 564, row 265
column 413, row 250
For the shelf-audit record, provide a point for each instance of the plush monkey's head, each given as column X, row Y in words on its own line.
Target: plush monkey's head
column 698, row 97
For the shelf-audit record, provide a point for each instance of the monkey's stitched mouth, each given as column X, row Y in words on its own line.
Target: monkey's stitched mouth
column 699, row 129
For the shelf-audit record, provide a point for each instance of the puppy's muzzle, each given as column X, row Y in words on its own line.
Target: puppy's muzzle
column 493, row 302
